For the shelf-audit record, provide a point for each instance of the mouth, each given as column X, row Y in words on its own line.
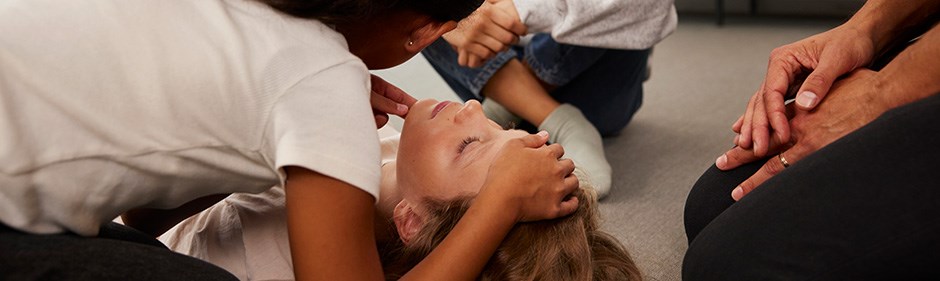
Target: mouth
column 439, row 107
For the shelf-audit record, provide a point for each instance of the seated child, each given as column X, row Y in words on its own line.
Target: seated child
column 443, row 154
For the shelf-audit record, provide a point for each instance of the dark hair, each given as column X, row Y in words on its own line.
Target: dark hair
column 569, row 248
column 340, row 11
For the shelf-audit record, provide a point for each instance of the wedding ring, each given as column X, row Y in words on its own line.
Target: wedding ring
column 783, row 161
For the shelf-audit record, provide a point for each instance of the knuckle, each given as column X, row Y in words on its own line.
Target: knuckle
column 817, row 79
column 773, row 167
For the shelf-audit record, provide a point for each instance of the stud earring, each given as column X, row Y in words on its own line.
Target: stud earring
column 410, row 43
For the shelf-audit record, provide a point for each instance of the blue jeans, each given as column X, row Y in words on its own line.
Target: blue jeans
column 605, row 84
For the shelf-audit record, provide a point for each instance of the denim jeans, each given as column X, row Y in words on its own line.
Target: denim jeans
column 605, row 84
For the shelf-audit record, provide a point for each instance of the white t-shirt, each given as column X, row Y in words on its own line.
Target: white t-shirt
column 108, row 105
column 246, row 234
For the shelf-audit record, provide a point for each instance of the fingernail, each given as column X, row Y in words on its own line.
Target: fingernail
column 721, row 162
column 737, row 193
column 806, row 99
column 402, row 109
column 542, row 133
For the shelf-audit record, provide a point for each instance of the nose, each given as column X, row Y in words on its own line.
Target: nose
column 469, row 110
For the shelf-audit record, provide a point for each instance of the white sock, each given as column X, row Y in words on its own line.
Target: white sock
column 569, row 128
column 500, row 114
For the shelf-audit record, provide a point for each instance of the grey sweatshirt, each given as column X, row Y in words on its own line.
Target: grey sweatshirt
column 614, row 24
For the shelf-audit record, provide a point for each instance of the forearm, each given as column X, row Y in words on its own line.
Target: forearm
column 466, row 250
column 156, row 221
column 884, row 20
column 913, row 74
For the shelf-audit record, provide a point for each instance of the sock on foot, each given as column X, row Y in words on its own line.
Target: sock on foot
column 500, row 114
column 567, row 126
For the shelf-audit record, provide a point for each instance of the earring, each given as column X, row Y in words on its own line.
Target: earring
column 411, row 42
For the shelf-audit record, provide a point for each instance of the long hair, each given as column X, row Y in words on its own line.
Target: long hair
column 341, row 11
column 568, row 248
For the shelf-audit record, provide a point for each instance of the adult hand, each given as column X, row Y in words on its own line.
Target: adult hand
column 852, row 103
column 812, row 65
column 387, row 99
column 491, row 29
column 529, row 181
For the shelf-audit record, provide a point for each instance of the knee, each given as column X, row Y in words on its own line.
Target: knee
column 707, row 199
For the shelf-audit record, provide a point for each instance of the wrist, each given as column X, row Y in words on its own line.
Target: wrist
column 505, row 210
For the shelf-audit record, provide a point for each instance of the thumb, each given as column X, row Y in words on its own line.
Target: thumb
column 817, row 84
column 536, row 140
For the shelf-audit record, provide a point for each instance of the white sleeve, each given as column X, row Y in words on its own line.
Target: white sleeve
column 614, row 24
column 325, row 124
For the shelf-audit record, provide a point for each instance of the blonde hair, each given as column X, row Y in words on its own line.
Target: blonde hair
column 568, row 248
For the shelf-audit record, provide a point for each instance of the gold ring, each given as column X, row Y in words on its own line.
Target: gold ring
column 783, row 160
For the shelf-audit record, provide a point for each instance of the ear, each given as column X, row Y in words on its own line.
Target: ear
column 407, row 221
column 427, row 33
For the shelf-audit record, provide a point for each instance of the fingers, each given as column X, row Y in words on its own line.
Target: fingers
column 568, row 206
column 775, row 110
column 385, row 105
column 738, row 156
column 759, row 128
column 567, row 167
column 473, row 55
column 474, row 61
column 506, row 17
column 736, row 127
column 556, row 150
column 536, row 140
column 734, row 158
column 745, row 140
column 774, row 166
column 388, row 98
column 819, row 82
column 380, row 119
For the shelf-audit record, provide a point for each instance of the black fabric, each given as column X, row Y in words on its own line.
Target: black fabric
column 118, row 253
column 866, row 207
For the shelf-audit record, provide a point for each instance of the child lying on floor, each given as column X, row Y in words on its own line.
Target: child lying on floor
column 443, row 154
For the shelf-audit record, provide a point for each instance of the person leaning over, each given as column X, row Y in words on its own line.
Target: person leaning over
column 113, row 107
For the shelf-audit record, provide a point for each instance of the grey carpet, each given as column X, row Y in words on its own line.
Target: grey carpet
column 702, row 76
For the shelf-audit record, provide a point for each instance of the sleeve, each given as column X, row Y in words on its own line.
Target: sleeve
column 324, row 123
column 614, row 24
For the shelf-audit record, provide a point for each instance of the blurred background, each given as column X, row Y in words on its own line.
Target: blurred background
column 702, row 77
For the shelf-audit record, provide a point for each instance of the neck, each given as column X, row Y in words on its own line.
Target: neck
column 389, row 197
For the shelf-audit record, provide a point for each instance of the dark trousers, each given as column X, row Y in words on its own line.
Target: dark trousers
column 866, row 207
column 118, row 253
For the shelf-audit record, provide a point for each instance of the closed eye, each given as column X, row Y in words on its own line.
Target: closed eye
column 465, row 143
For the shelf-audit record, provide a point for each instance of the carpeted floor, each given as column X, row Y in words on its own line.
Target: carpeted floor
column 702, row 76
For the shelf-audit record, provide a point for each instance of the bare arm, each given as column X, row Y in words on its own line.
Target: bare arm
column 826, row 56
column 856, row 100
column 330, row 227
column 884, row 20
column 914, row 73
column 330, row 223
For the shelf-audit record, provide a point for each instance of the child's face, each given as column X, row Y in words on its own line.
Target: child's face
column 446, row 149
